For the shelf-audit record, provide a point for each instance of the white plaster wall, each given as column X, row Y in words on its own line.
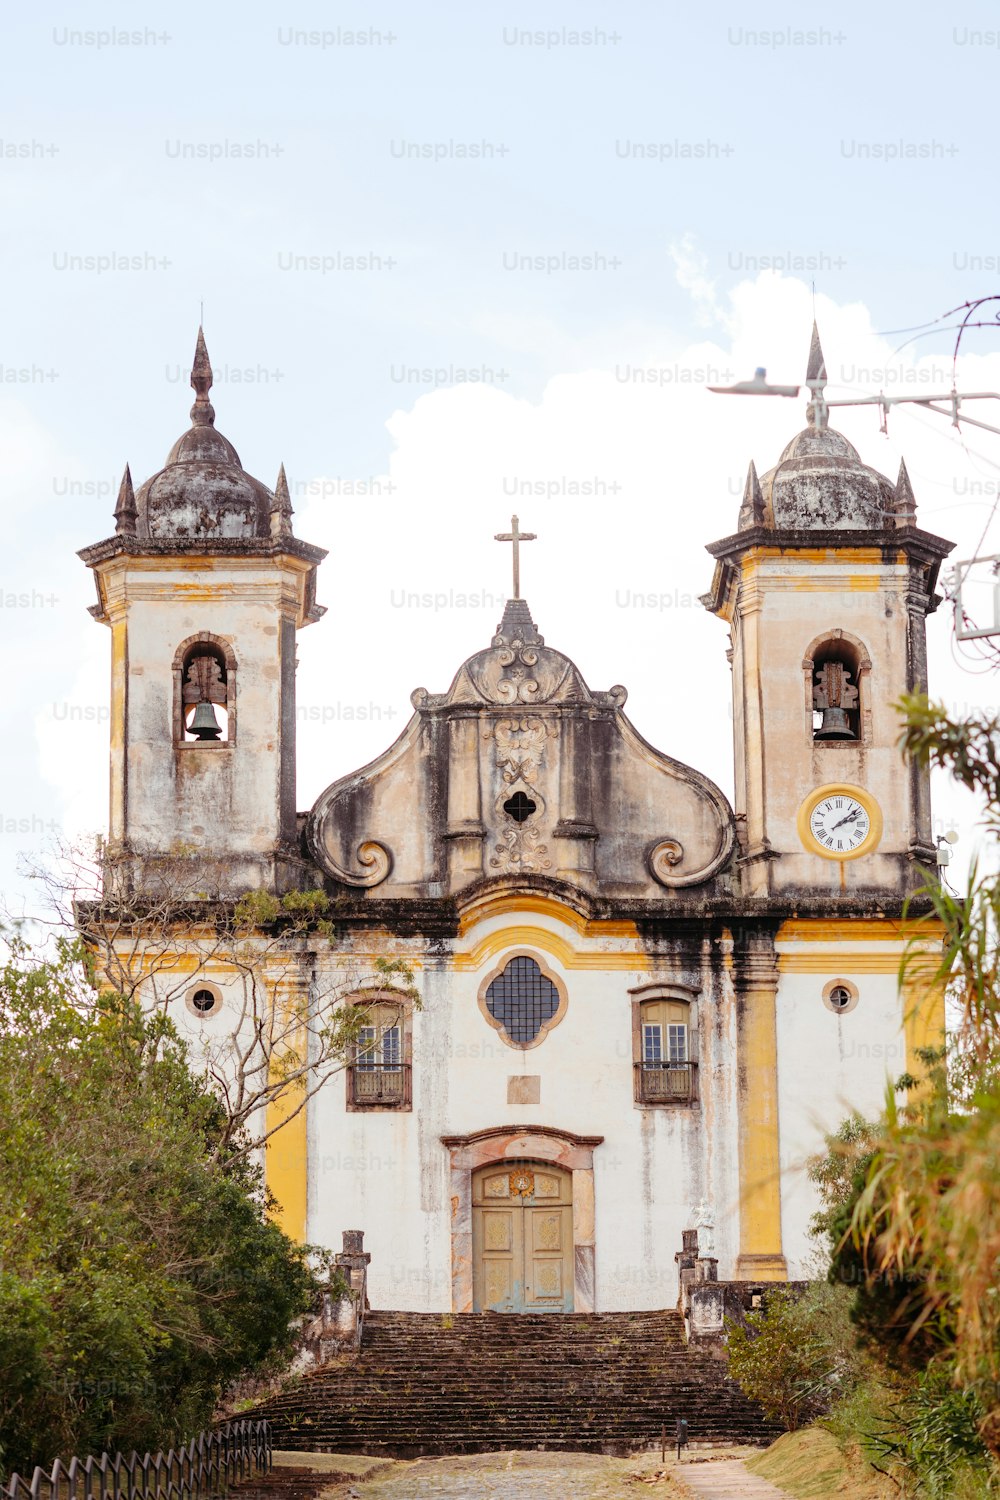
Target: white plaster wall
column 828, row 1065
column 388, row 1172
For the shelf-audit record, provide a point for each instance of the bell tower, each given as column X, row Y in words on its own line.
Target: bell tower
column 203, row 586
column 826, row 586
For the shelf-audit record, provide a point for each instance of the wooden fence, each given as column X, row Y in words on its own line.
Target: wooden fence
column 202, row 1470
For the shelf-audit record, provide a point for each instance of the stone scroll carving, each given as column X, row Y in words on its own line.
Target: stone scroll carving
column 376, row 857
column 666, row 860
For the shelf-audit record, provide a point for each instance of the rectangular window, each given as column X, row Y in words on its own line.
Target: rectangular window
column 379, row 1073
column 379, row 1047
column 391, row 1049
column 677, row 1037
column 652, row 1044
column 367, row 1044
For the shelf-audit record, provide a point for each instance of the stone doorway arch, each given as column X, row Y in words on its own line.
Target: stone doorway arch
column 518, row 1143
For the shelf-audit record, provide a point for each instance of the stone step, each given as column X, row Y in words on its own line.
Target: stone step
column 427, row 1384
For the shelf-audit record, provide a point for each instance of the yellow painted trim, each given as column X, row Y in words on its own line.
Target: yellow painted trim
column 286, row 1154
column 839, row 958
column 760, row 1161
column 850, row 555
column 839, row 789
column 858, row 929
column 840, row 939
column 923, row 1010
column 501, row 904
column 525, row 936
column 286, row 1165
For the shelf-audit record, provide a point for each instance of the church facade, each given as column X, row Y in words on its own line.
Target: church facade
column 635, row 1007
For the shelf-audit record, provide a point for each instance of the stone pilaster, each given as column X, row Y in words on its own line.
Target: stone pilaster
column 756, row 978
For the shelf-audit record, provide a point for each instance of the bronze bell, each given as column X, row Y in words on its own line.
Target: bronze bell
column 835, row 725
column 204, row 725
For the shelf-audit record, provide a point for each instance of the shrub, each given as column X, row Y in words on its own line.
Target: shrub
column 797, row 1354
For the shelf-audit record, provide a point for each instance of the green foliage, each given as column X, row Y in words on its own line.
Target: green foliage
column 310, row 903
column 933, row 1432
column 968, row 748
column 911, row 1202
column 797, row 1354
column 262, row 909
column 138, row 1272
column 257, row 909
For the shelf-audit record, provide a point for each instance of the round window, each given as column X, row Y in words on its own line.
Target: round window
column 840, row 996
column 204, row 1000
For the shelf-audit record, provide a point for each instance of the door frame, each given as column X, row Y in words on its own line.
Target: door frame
column 500, row 1143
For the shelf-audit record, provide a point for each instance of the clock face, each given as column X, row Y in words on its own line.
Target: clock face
column 839, row 823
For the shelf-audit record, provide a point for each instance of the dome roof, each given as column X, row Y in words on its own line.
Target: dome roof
column 820, row 482
column 203, row 491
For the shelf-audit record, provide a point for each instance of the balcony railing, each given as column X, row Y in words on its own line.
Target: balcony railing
column 664, row 1083
column 378, row 1085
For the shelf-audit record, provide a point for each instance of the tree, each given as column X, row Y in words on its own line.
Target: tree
column 139, row 1273
column 919, row 1222
column 292, row 1021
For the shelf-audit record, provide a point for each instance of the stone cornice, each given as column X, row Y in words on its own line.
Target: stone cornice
column 250, row 547
column 909, row 539
column 439, row 920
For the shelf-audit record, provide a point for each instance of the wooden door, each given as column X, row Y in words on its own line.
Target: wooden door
column 522, row 1238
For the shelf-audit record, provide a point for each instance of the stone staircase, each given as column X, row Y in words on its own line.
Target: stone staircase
column 468, row 1383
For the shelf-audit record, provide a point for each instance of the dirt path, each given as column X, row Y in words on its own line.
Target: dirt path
column 728, row 1479
column 561, row 1476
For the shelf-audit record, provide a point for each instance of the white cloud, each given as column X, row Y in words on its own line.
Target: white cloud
column 465, row 457
column 691, row 270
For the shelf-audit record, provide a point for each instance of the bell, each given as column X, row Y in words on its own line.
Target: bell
column 835, row 725
column 204, row 725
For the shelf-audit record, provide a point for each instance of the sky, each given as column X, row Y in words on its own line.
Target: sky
column 458, row 261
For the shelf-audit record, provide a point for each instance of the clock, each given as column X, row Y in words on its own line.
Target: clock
column 840, row 822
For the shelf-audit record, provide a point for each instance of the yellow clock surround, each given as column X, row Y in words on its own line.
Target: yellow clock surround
column 840, row 789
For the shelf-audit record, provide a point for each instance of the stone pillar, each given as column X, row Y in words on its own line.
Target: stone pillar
column 575, row 829
column 922, row 846
column 464, row 833
column 686, row 1261
column 348, row 1313
column 751, row 752
column 584, row 1268
column 760, row 1257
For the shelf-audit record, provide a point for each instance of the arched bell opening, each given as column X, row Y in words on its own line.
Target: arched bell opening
column 837, row 668
column 205, row 692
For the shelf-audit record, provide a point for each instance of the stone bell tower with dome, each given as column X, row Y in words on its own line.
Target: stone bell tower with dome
column 826, row 587
column 204, row 586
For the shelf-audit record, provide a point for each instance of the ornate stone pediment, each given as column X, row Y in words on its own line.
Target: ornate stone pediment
column 521, row 769
column 517, row 668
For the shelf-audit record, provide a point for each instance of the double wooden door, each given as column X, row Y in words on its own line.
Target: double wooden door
column 522, row 1238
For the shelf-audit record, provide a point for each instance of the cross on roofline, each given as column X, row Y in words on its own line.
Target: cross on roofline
column 517, row 537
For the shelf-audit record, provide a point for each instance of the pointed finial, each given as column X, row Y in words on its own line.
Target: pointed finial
column 817, row 413
column 816, row 369
column 752, row 508
column 202, row 412
column 125, row 511
column 281, row 507
column 905, row 501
